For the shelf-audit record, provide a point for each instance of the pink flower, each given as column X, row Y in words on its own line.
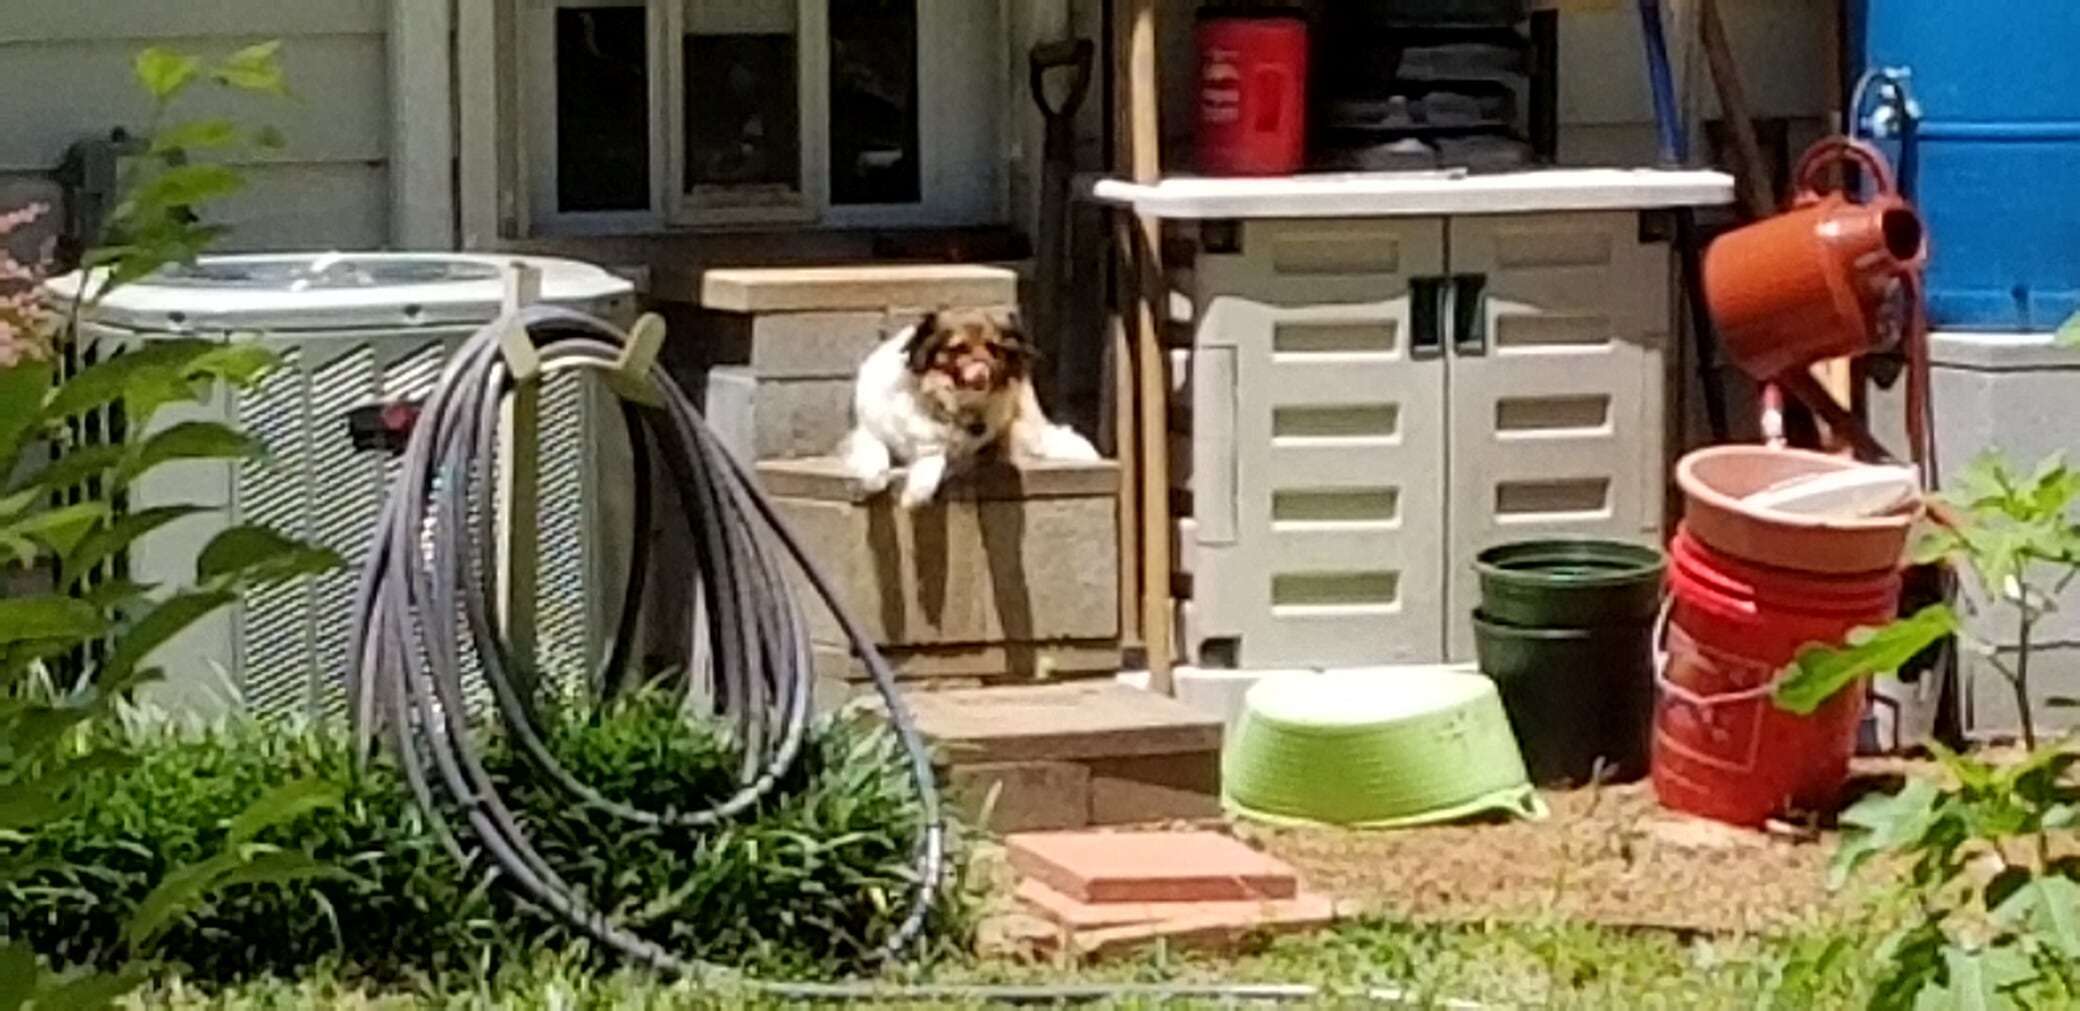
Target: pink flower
column 11, row 221
column 25, row 322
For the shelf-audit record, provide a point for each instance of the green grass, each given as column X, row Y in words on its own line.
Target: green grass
column 1557, row 966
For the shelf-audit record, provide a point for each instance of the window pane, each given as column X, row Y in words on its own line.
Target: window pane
column 602, row 110
column 743, row 117
column 874, row 103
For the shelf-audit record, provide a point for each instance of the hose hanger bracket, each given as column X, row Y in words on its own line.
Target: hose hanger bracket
column 630, row 376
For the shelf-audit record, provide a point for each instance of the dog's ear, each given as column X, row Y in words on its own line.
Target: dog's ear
column 924, row 339
column 1018, row 349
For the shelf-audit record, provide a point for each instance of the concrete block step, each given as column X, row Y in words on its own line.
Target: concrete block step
column 1069, row 755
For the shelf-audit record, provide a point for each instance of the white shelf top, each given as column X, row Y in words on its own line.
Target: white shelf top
column 1407, row 194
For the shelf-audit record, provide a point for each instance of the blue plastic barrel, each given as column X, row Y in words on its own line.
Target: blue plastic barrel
column 1995, row 164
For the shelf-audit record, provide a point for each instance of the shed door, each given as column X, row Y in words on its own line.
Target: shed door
column 1557, row 420
column 1319, row 431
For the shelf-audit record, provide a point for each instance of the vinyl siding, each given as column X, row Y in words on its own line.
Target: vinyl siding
column 64, row 65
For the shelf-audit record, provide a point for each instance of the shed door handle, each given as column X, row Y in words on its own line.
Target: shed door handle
column 1426, row 310
column 1470, row 314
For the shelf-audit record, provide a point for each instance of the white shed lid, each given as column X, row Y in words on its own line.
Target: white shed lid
column 336, row 291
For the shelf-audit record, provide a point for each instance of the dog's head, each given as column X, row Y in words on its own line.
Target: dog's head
column 968, row 353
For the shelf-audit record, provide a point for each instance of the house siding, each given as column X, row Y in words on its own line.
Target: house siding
column 65, row 65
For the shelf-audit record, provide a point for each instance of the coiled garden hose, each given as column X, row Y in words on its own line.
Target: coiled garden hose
column 429, row 575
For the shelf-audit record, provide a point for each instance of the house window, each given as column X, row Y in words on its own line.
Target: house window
column 644, row 114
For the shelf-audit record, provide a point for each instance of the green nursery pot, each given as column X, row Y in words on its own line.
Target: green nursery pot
column 1570, row 583
column 1576, row 698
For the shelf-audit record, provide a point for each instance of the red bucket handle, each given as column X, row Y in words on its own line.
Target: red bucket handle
column 1685, row 695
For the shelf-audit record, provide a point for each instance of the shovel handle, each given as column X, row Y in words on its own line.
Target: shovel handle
column 1077, row 55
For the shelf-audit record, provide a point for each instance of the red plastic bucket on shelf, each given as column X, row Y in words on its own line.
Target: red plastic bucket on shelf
column 1252, row 92
column 1722, row 749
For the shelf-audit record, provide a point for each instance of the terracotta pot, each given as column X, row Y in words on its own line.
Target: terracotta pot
column 1715, row 480
column 1804, row 286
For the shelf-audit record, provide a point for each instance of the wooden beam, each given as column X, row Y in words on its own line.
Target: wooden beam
column 476, row 103
column 1140, row 157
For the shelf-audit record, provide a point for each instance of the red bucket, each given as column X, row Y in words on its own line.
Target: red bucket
column 1252, row 92
column 1722, row 749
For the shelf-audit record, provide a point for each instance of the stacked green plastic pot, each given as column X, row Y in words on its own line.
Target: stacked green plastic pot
column 1566, row 631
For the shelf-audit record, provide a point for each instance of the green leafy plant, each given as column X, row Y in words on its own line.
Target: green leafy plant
column 1993, row 902
column 75, row 651
column 808, row 883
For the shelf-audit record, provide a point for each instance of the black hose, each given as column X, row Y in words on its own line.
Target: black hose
column 428, row 579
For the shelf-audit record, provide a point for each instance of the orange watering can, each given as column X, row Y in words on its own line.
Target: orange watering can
column 1810, row 285
column 1806, row 286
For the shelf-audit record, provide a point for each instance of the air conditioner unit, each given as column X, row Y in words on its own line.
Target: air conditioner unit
column 352, row 331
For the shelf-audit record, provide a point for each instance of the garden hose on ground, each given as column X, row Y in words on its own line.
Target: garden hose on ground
column 425, row 596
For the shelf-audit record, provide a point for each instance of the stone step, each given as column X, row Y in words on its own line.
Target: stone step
column 873, row 288
column 1151, row 867
column 1068, row 755
column 1010, row 555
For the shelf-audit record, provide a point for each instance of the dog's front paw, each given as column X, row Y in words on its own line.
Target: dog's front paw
column 921, row 482
column 867, row 461
column 1060, row 442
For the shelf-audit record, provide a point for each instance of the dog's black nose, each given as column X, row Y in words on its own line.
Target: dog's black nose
column 977, row 429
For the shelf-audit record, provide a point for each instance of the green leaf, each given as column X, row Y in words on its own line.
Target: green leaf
column 284, row 804
column 106, row 381
column 117, row 593
column 112, row 539
column 269, row 138
column 241, row 363
column 165, row 73
column 281, row 867
column 92, row 991
column 190, row 440
column 59, row 529
column 1979, row 980
column 254, row 68
column 1883, row 823
column 161, row 624
column 186, row 887
column 27, row 806
column 1822, row 671
column 18, row 975
column 1937, row 544
column 1976, row 776
column 257, row 555
column 2069, row 334
column 185, row 186
column 197, row 135
column 47, row 616
column 2049, row 907
column 74, row 468
column 22, row 391
column 178, row 892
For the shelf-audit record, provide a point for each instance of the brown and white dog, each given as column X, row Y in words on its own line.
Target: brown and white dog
column 943, row 392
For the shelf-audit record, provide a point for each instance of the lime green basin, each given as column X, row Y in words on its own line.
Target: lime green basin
column 1375, row 750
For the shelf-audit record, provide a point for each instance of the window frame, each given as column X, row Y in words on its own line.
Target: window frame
column 962, row 108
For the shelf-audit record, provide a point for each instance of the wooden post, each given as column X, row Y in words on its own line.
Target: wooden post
column 519, row 492
column 1840, row 377
column 477, row 122
column 1140, row 156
